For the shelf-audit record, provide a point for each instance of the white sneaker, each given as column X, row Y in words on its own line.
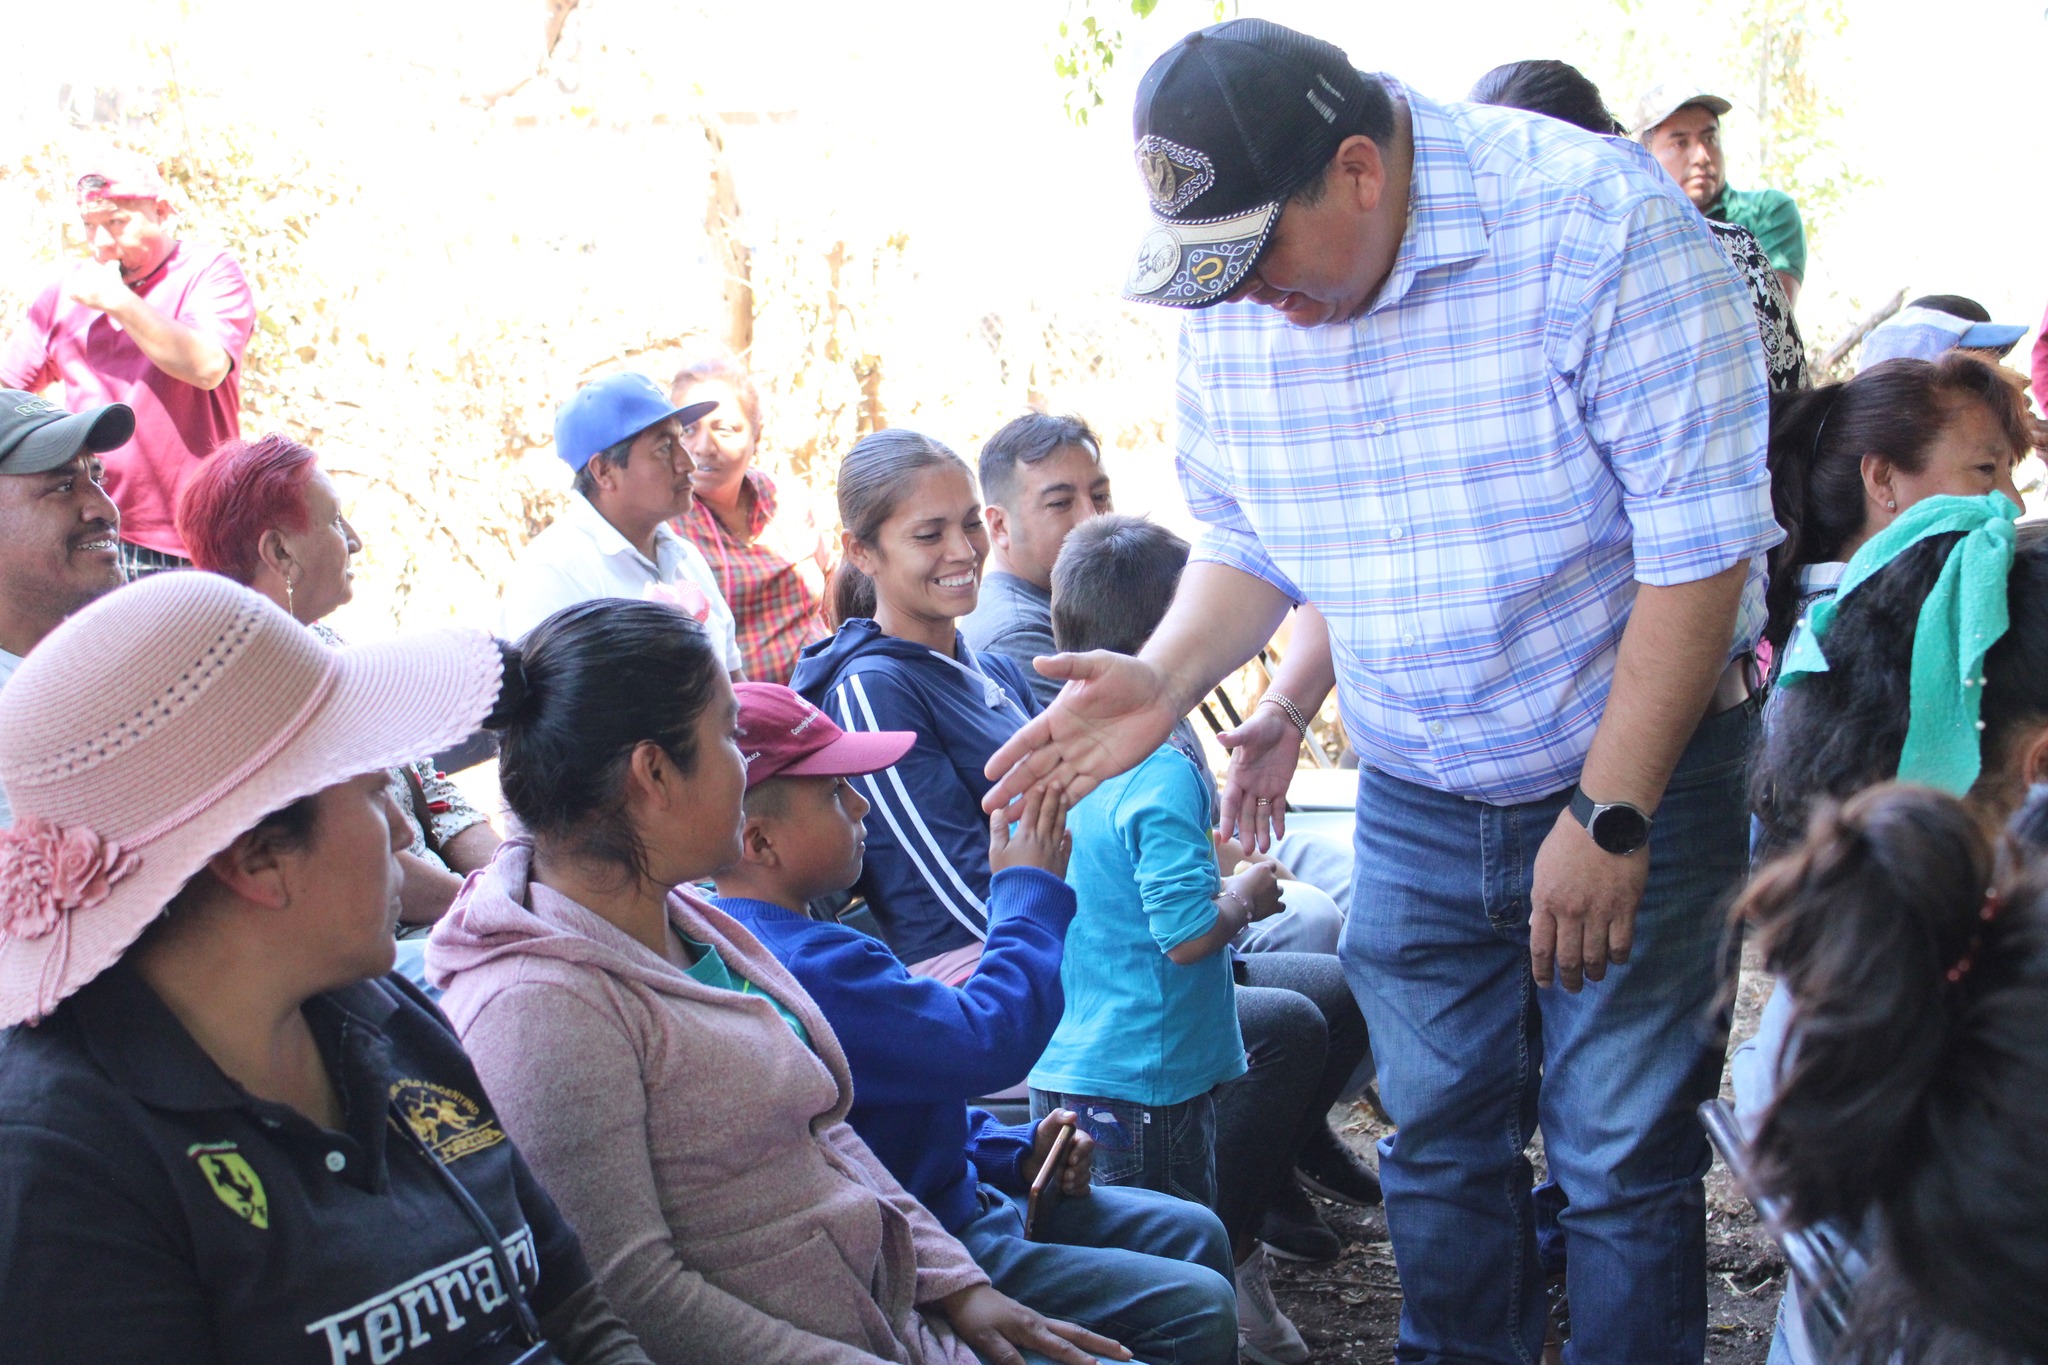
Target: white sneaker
column 1265, row 1336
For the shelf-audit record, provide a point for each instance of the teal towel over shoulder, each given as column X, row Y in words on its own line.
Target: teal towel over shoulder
column 1963, row 617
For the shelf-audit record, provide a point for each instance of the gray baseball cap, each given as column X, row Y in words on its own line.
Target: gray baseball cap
column 37, row 435
column 1661, row 101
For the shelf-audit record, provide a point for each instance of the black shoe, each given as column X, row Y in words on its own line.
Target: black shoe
column 1294, row 1231
column 1330, row 1167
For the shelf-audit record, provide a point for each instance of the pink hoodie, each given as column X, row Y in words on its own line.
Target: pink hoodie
column 696, row 1145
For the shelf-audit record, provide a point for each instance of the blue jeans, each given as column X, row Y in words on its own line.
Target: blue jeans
column 1145, row 1269
column 1170, row 1148
column 1472, row 1056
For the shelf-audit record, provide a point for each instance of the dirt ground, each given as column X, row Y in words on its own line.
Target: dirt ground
column 1349, row 1309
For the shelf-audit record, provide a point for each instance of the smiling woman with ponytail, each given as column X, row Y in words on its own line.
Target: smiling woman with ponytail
column 1912, row 1098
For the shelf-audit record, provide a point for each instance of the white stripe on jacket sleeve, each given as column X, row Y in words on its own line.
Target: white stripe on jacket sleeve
column 899, row 808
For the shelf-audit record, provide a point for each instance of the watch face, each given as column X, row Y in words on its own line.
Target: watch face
column 1619, row 829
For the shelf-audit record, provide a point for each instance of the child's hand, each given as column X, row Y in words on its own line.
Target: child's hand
column 1078, row 1164
column 1260, row 889
column 1232, row 857
column 1041, row 839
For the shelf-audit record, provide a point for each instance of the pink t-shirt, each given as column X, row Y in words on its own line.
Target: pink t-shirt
column 2041, row 367
column 176, row 425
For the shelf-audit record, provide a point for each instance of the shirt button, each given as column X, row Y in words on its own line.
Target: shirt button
column 336, row 1162
column 1408, row 640
column 1396, row 532
column 1436, row 727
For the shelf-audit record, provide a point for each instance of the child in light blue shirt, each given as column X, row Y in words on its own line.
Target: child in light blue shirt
column 1149, row 1046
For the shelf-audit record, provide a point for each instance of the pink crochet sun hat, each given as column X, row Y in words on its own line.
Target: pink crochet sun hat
column 150, row 730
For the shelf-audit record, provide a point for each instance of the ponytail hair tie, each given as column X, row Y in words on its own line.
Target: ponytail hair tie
column 1813, row 447
column 515, row 695
column 1986, row 913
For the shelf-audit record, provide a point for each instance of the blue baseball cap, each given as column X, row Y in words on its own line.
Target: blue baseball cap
column 615, row 408
column 1922, row 333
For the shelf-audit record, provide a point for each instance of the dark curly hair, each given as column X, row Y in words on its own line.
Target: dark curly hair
column 1914, row 1084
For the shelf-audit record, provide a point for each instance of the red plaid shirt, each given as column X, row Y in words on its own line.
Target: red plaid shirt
column 774, row 580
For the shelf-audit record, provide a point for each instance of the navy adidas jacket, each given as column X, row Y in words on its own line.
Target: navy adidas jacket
column 919, row 1049
column 926, row 878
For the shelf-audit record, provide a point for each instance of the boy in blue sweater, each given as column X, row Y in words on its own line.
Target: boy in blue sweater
column 1148, row 1270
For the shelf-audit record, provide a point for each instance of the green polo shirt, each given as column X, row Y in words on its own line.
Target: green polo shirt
column 1773, row 219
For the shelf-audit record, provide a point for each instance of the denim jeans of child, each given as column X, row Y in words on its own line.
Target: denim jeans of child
column 1145, row 1269
column 1229, row 1149
column 1473, row 1056
column 1170, row 1148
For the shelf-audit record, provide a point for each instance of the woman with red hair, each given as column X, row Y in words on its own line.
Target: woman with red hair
column 264, row 514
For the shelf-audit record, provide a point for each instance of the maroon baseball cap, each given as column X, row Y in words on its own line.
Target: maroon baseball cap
column 782, row 735
column 119, row 175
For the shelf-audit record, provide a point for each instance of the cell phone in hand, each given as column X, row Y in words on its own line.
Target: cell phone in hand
column 1045, row 1186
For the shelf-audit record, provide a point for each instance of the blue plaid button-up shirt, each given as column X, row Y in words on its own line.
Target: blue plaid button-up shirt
column 1557, row 394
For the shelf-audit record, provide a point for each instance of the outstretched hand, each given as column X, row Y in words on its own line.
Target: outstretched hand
column 1264, row 752
column 1113, row 712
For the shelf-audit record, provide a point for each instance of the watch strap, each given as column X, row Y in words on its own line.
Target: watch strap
column 1588, row 812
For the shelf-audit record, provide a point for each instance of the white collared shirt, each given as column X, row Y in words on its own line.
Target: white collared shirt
column 582, row 556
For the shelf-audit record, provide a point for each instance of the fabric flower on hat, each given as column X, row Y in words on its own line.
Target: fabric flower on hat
column 48, row 870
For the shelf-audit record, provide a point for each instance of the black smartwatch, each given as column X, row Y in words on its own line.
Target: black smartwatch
column 1617, row 827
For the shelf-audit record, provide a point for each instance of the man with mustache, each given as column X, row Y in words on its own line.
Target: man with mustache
column 624, row 440
column 1682, row 128
column 59, row 531
column 153, row 323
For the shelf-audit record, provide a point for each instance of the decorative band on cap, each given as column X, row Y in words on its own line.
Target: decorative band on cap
column 1192, row 265
column 1175, row 176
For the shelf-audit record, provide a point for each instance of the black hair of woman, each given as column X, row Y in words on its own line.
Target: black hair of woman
column 1916, row 1081
column 582, row 691
column 1821, row 439
column 1838, row 732
column 1546, row 86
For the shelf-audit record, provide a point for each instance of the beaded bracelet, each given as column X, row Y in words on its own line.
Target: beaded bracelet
column 1292, row 711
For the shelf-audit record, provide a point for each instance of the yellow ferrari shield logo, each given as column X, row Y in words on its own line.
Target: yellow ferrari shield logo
column 234, row 1182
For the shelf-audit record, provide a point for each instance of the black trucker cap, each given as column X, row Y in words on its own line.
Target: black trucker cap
column 1229, row 122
